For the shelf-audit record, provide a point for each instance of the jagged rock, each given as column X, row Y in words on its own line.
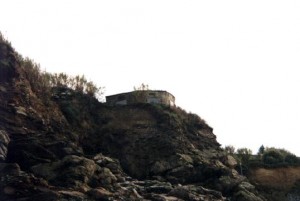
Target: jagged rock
column 21, row 110
column 72, row 171
column 182, row 174
column 173, row 164
column 4, row 140
column 9, row 169
column 159, row 188
column 229, row 161
column 107, row 177
column 25, row 186
column 160, row 147
column 196, row 193
column 246, row 196
column 159, row 167
column 156, row 197
column 64, row 148
column 246, row 192
column 100, row 194
column 112, row 164
column 28, row 151
column 246, row 186
column 3, row 89
column 72, row 195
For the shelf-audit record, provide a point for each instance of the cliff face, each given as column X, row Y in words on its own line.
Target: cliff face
column 279, row 178
column 281, row 183
column 71, row 147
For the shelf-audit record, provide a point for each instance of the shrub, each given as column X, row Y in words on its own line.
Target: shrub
column 244, row 155
column 229, row 149
column 273, row 157
column 4, row 40
column 1, row 37
column 42, row 82
column 291, row 159
column 38, row 81
column 261, row 150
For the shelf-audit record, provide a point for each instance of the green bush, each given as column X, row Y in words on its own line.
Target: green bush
column 273, row 157
column 291, row 159
column 41, row 82
column 244, row 155
column 229, row 149
column 261, row 150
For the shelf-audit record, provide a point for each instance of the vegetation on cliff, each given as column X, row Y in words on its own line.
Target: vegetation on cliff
column 41, row 82
column 275, row 171
column 269, row 157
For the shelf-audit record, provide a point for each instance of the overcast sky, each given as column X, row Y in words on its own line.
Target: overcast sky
column 234, row 63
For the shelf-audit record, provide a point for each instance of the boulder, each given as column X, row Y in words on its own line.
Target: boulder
column 106, row 177
column 246, row 196
column 230, row 161
column 246, row 192
column 71, row 171
column 9, row 169
column 23, row 186
column 112, row 164
column 153, row 186
column 195, row 193
column 72, row 195
column 100, row 193
column 21, row 110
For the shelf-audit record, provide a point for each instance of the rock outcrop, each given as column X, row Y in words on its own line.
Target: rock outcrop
column 277, row 183
column 68, row 146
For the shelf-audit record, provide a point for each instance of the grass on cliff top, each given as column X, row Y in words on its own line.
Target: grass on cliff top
column 41, row 82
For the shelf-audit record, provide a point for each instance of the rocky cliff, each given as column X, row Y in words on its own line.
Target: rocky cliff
column 277, row 183
column 68, row 146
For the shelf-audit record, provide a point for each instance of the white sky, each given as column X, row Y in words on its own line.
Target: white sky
column 234, row 63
